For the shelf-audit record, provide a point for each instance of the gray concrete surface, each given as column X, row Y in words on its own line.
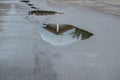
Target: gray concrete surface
column 25, row 56
column 19, row 55
column 17, row 41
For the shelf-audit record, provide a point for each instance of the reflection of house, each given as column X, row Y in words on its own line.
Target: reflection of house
column 58, row 29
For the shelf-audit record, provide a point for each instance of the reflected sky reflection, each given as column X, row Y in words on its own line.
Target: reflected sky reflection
column 66, row 34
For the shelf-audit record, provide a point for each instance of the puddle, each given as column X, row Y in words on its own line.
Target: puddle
column 34, row 7
column 59, row 34
column 30, row 4
column 39, row 12
column 43, row 12
column 63, row 34
column 25, row 1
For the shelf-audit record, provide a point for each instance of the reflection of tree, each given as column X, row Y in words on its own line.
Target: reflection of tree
column 79, row 33
column 43, row 12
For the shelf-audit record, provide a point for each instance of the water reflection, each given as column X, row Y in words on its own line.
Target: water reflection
column 61, row 28
column 42, row 12
column 63, row 35
column 37, row 11
column 80, row 33
column 26, row 1
column 30, row 4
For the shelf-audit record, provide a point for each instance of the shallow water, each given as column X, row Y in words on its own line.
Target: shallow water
column 65, row 35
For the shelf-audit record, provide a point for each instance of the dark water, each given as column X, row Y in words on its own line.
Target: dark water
column 42, row 12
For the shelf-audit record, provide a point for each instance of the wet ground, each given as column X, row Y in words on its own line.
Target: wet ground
column 42, row 47
column 16, row 35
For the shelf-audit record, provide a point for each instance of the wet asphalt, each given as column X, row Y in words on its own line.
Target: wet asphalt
column 16, row 44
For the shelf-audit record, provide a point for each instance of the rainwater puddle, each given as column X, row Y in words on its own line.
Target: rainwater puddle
column 58, row 34
column 63, row 34
column 43, row 12
column 25, row 1
column 37, row 11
